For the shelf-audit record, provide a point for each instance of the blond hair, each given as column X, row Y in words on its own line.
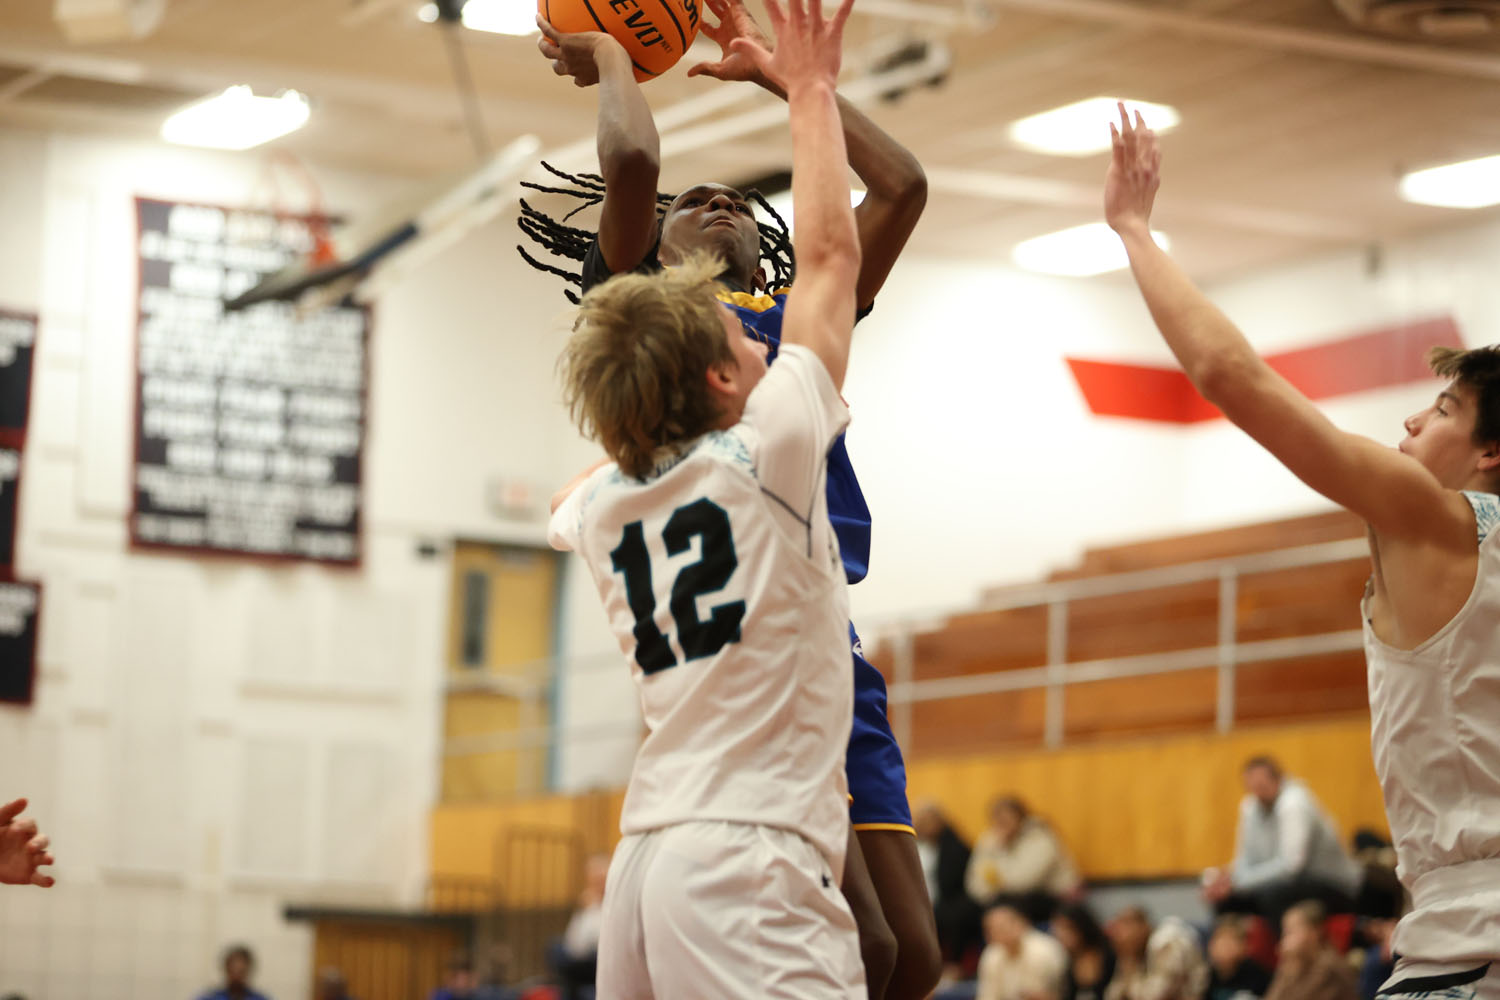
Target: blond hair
column 635, row 370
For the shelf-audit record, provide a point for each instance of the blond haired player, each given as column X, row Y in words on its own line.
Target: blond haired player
column 1431, row 611
column 709, row 539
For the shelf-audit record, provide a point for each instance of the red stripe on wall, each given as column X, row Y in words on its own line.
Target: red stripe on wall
column 1372, row 359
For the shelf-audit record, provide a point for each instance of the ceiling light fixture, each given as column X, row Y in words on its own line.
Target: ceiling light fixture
column 1080, row 252
column 1469, row 184
column 1082, row 128
column 236, row 119
column 504, row 17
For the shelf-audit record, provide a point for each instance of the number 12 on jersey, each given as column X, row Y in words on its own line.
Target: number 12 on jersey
column 703, row 519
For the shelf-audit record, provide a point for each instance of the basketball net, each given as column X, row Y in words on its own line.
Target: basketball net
column 283, row 167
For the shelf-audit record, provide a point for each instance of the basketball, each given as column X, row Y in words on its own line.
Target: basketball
column 655, row 33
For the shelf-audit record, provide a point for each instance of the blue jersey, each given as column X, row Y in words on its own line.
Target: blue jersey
column 847, row 509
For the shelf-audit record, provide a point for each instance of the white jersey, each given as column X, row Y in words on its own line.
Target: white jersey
column 1435, row 731
column 721, row 578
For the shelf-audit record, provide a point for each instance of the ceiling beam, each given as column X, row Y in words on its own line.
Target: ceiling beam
column 1281, row 38
column 12, row 89
column 1023, row 190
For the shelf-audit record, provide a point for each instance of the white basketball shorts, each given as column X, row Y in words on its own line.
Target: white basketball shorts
column 1414, row 980
column 721, row 911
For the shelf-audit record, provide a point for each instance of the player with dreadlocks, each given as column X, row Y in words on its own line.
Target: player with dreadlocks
column 642, row 230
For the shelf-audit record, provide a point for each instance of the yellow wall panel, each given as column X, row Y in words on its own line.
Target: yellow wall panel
column 1164, row 806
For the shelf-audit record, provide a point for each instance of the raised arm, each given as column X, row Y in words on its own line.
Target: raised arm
column 820, row 308
column 1391, row 491
column 629, row 146
column 895, row 185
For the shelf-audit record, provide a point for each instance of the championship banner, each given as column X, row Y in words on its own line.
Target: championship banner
column 17, row 349
column 249, row 426
column 20, row 610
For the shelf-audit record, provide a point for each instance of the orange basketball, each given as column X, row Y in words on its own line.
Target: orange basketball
column 654, row 32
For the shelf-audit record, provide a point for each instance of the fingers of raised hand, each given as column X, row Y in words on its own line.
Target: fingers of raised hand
column 43, row 881
column 11, row 810
column 842, row 15
column 546, row 28
column 559, row 67
column 777, row 14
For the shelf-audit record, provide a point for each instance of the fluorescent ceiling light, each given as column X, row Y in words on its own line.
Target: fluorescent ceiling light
column 236, row 119
column 428, row 13
column 504, row 17
column 1470, row 184
column 1079, row 252
column 782, row 202
column 1082, row 129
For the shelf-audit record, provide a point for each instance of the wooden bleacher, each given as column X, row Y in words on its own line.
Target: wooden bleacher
column 1269, row 605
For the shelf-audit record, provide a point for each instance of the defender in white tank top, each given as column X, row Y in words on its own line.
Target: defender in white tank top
column 1435, row 731
column 1432, row 612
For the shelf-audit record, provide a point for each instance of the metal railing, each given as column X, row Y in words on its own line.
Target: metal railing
column 1054, row 676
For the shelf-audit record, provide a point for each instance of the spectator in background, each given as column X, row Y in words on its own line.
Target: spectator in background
column 1159, row 964
column 945, row 861
column 1091, row 961
column 332, row 985
column 1286, row 850
column 1019, row 962
column 575, row 958
column 1018, row 861
column 1309, row 968
column 1380, row 960
column 1234, row 975
column 239, row 966
column 22, row 849
column 460, row 982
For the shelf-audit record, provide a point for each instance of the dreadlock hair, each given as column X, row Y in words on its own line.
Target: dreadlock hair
column 572, row 243
column 635, row 369
column 1479, row 370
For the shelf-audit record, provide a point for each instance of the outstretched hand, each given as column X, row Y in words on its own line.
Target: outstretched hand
column 575, row 53
column 22, row 849
column 1134, row 174
column 808, row 45
column 734, row 21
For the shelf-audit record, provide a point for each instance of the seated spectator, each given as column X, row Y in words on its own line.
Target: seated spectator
column 1018, row 861
column 1309, row 968
column 459, row 980
column 1019, row 962
column 1380, row 962
column 945, row 861
column 1286, row 850
column 1233, row 973
column 239, row 966
column 1159, row 964
column 575, row 957
column 1091, row 961
column 332, row 985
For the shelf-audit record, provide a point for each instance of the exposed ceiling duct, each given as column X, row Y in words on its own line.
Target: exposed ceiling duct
column 1428, row 19
column 86, row 22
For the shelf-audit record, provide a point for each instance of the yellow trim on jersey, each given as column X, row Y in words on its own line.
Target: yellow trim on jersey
column 755, row 303
column 885, row 826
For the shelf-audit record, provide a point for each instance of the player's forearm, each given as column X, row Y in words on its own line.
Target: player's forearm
column 1212, row 351
column 629, row 145
column 826, row 235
